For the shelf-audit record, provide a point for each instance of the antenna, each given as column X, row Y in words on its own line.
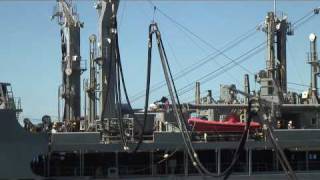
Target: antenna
column 275, row 7
column 154, row 13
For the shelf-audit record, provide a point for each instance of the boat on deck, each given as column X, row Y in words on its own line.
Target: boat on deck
column 230, row 124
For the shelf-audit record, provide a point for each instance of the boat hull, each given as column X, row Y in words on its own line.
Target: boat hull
column 201, row 125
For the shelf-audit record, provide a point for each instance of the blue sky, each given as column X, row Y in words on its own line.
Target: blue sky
column 30, row 44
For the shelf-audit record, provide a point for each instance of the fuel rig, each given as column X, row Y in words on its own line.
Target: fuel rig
column 269, row 132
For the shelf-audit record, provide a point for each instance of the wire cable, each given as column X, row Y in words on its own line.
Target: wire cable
column 182, row 123
column 207, row 79
column 248, row 34
column 197, row 36
column 191, row 68
column 209, row 76
column 203, row 61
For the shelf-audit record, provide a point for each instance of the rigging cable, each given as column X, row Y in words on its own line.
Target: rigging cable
column 145, row 113
column 306, row 17
column 119, row 109
column 196, row 65
column 298, row 84
column 192, row 67
column 198, row 37
column 240, row 59
column 182, row 123
column 185, row 137
column 117, row 88
column 265, row 115
column 296, row 24
column 131, row 111
column 104, row 103
column 279, row 152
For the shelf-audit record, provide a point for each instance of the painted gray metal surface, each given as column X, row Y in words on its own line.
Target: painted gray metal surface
column 105, row 9
column 76, row 138
column 265, row 176
column 71, row 58
column 18, row 147
column 292, row 139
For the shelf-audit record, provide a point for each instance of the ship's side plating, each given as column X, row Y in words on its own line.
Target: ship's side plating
column 18, row 147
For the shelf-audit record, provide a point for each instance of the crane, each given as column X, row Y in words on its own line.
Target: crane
column 71, row 69
column 107, row 9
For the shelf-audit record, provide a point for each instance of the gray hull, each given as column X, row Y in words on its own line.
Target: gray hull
column 18, row 147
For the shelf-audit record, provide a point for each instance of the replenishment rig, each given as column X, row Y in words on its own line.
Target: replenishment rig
column 170, row 139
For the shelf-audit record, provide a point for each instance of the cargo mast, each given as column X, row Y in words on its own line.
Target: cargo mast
column 106, row 10
column 274, row 80
column 314, row 62
column 71, row 70
column 91, row 89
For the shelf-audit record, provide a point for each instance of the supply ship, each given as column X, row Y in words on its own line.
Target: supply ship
column 264, row 133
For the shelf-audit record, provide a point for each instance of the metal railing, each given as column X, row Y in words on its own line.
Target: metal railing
column 111, row 129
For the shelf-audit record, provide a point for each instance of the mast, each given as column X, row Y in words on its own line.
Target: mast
column 277, row 30
column 246, row 86
column 106, row 10
column 275, row 7
column 314, row 62
column 246, row 99
column 70, row 44
column 93, row 80
column 197, row 96
column 270, row 30
column 281, row 55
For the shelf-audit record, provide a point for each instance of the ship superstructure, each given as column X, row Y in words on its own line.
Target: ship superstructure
column 113, row 140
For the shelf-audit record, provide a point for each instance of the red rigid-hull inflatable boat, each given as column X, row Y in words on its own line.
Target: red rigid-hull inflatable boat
column 230, row 124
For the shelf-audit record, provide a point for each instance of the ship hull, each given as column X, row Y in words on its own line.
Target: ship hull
column 267, row 176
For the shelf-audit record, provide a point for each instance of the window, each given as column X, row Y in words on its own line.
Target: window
column 270, row 90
